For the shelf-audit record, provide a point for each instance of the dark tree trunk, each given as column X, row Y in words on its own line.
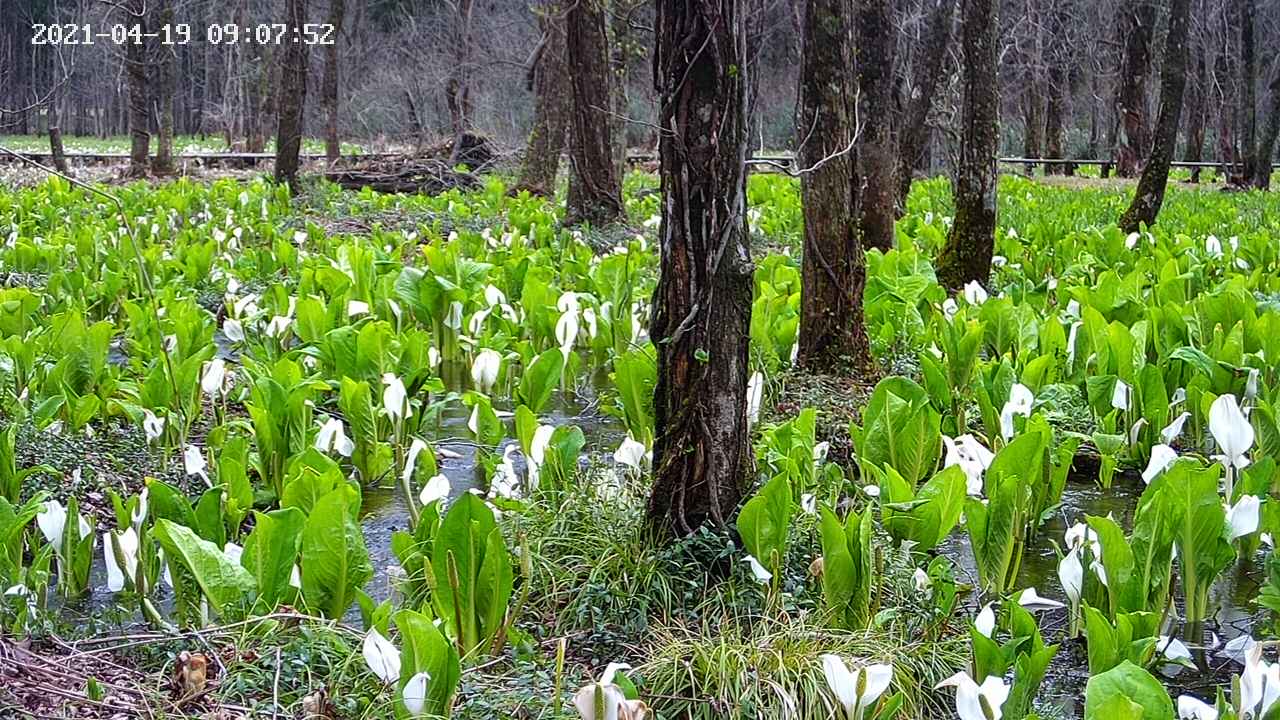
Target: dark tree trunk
column 1196, row 113
column 135, row 62
column 595, row 194
column 549, row 78
column 1053, row 131
column 832, row 333
column 877, row 162
column 702, row 304
column 329, row 84
column 967, row 253
column 458, row 88
column 166, row 88
column 1173, row 78
column 620, row 61
column 55, row 139
column 1249, row 84
column 1062, row 58
column 1267, row 141
column 914, row 134
column 1137, row 19
column 1032, row 122
column 293, row 95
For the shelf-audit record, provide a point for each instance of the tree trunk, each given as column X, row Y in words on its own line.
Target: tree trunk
column 620, row 60
column 702, row 304
column 135, row 62
column 596, row 195
column 1173, row 79
column 329, row 84
column 1196, row 113
column 293, row 95
column 166, row 87
column 1249, row 84
column 458, row 87
column 1032, row 122
column 876, row 164
column 1053, row 131
column 914, row 134
column 549, row 78
column 1137, row 19
column 55, row 139
column 834, row 273
column 967, row 254
column 1267, row 142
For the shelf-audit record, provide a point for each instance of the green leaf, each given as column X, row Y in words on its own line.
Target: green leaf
column 224, row 582
column 1128, row 682
column 270, row 553
column 335, row 562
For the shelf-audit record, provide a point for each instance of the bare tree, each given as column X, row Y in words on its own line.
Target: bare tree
column 458, row 87
column 966, row 256
column 595, row 192
column 1267, row 141
column 135, row 61
column 914, row 132
column 1248, row 11
column 877, row 161
column 329, row 83
column 549, row 80
column 702, row 304
column 1173, row 79
column 165, row 87
column 833, row 266
column 293, row 96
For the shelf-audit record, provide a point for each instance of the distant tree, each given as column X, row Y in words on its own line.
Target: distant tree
column 702, row 304
column 1267, row 141
column 877, row 157
column 329, row 83
column 549, row 80
column 913, row 135
column 1247, row 13
column 458, row 86
column 165, row 87
column 293, row 95
column 1137, row 18
column 135, row 64
column 595, row 192
column 966, row 256
column 1149, row 196
column 833, row 265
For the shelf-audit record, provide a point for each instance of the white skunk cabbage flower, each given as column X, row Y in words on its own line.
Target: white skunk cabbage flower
column 972, row 697
column 1231, row 430
column 484, row 369
column 382, row 657
column 857, row 689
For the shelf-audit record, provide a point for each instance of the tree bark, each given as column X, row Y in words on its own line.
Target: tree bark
column 55, row 139
column 1267, row 141
column 1137, row 19
column 702, row 304
column 549, row 77
column 293, row 96
column 1249, row 84
column 135, row 62
column 620, row 61
column 166, row 87
column 595, row 196
column 1196, row 112
column 914, row 134
column 1032, row 122
column 458, row 87
column 329, row 84
column 966, row 256
column 1173, row 79
column 833, row 267
column 876, row 161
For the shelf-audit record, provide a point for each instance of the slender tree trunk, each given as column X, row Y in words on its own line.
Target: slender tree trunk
column 166, row 87
column 549, row 78
column 1267, row 141
column 620, row 60
column 702, row 304
column 1032, row 122
column 135, row 61
column 595, row 194
column 1173, row 79
column 1137, row 19
column 967, row 254
column 1053, row 130
column 458, row 87
column 833, row 270
column 293, row 96
column 55, row 138
column 1196, row 113
column 914, row 134
column 329, row 84
column 1249, row 83
column 877, row 162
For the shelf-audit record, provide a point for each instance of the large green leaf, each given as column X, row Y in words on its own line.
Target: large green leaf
column 763, row 522
column 223, row 581
column 424, row 649
column 335, row 562
column 270, row 553
column 1128, row 682
column 540, row 380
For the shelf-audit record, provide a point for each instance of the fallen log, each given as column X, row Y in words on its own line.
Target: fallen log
column 403, row 175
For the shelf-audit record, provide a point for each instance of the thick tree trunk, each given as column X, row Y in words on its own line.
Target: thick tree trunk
column 834, row 274
column 135, row 62
column 967, row 253
column 877, row 159
column 166, row 87
column 329, row 84
column 293, row 95
column 1267, row 141
column 914, row 133
column 1053, row 130
column 458, row 87
column 1173, row 79
column 702, row 304
column 1249, row 84
column 1137, row 19
column 595, row 194
column 549, row 78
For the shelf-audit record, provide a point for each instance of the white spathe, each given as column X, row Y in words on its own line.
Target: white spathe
column 1120, row 395
column 1071, row 575
column 972, row 456
column 1242, row 517
column 1231, row 430
column 333, row 436
column 382, row 657
column 1032, row 601
column 437, row 488
column 985, row 623
column 760, row 572
column 117, row 575
column 215, row 372
column 1174, row 429
column 630, row 453
column 484, row 369
column 152, row 426
column 395, row 398
column 970, row 696
column 194, row 462
column 1162, row 456
column 856, row 689
column 414, row 693
column 1020, row 401
column 1191, row 708
column 974, row 293
column 755, row 394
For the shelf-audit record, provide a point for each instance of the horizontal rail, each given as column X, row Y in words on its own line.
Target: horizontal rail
column 231, row 156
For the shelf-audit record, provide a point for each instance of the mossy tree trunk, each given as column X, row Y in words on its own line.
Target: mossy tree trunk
column 702, row 304
column 595, row 192
column 1149, row 196
column 833, row 266
column 966, row 256
column 549, row 80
